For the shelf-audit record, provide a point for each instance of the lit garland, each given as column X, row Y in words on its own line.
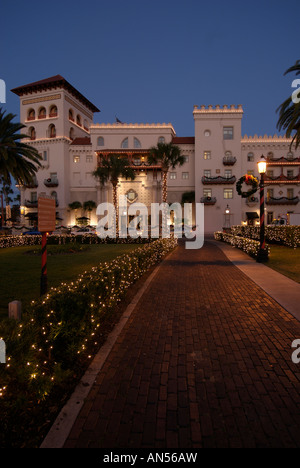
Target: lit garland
column 63, row 329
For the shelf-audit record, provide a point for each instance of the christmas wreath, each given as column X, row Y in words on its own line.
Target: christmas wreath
column 248, row 180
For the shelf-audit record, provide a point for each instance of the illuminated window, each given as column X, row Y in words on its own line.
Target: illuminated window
column 76, row 159
column 207, row 155
column 173, row 175
column 228, row 193
column 185, row 175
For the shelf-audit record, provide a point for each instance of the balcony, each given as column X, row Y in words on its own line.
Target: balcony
column 282, row 161
column 218, row 180
column 31, row 203
column 252, row 201
column 32, row 184
column 51, row 182
column 208, row 200
column 282, row 179
column 282, row 201
column 229, row 160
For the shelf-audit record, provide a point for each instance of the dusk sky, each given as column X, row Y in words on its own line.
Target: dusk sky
column 152, row 61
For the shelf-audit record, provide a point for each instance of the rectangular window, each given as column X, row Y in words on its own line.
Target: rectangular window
column 290, row 193
column 45, row 156
column 33, row 197
column 228, row 133
column 207, row 155
column 186, row 159
column 173, row 175
column 270, row 173
column 270, row 193
column 89, row 158
column 207, row 173
column 207, row 192
column 185, row 175
column 250, row 173
column 228, row 193
column 76, row 159
column 290, row 174
column 228, row 173
column 250, row 157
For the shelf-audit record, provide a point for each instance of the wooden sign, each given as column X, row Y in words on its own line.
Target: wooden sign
column 46, row 214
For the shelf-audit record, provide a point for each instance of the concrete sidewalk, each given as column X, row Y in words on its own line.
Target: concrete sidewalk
column 202, row 359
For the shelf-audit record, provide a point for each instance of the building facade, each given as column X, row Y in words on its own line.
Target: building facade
column 59, row 121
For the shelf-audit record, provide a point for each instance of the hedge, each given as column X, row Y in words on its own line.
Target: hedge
column 250, row 246
column 285, row 235
column 61, row 331
column 57, row 239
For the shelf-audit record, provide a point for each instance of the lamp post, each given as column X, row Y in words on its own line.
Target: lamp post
column 262, row 168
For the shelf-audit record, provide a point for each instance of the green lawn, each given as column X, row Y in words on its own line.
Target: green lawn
column 20, row 268
column 286, row 261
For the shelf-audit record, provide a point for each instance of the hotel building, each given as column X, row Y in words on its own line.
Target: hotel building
column 60, row 124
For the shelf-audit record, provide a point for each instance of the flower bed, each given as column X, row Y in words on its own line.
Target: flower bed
column 60, row 332
column 250, row 246
column 285, row 235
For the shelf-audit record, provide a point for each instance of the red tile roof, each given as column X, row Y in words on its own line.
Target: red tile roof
column 183, row 140
column 81, row 141
column 54, row 82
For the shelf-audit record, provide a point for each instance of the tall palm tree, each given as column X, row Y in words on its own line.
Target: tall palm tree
column 169, row 156
column 112, row 169
column 17, row 159
column 289, row 112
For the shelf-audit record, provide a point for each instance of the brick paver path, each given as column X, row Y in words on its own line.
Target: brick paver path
column 204, row 361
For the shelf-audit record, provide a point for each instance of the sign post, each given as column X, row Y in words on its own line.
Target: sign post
column 46, row 223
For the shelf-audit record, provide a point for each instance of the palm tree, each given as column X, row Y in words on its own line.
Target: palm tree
column 89, row 206
column 112, row 169
column 169, row 156
column 289, row 112
column 17, row 159
column 76, row 205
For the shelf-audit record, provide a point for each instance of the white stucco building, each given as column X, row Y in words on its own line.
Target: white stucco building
column 60, row 123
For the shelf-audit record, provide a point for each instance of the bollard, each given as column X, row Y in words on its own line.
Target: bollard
column 15, row 310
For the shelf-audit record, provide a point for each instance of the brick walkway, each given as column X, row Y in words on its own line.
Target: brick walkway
column 204, row 361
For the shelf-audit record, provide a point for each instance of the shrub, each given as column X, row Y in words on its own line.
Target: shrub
column 250, row 246
column 59, row 332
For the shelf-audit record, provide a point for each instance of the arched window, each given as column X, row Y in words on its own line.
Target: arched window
column 52, row 131
column 71, row 115
column 124, row 143
column 78, row 120
column 270, row 155
column 53, row 111
column 85, row 124
column 137, row 143
column 161, row 139
column 71, row 133
column 42, row 113
column 32, row 134
column 31, row 114
column 100, row 141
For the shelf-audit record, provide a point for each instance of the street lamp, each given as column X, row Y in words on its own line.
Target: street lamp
column 262, row 168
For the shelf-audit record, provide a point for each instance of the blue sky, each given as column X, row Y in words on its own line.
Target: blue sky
column 151, row 61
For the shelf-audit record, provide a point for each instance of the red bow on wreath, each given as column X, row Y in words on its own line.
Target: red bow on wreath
column 248, row 179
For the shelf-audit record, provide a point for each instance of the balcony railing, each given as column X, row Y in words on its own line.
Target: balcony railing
column 218, row 180
column 282, row 160
column 229, row 160
column 31, row 203
column 282, row 179
column 208, row 200
column 32, row 184
column 251, row 201
column 282, row 201
column 51, row 182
